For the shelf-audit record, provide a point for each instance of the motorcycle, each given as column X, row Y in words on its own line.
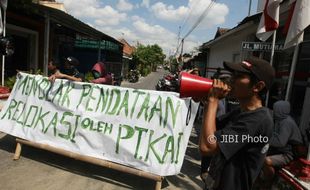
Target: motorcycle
column 133, row 76
column 116, row 80
column 293, row 176
column 169, row 82
column 296, row 175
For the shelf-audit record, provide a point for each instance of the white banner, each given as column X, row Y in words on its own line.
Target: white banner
column 147, row 130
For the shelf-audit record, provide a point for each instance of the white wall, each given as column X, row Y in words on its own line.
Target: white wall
column 224, row 49
column 260, row 5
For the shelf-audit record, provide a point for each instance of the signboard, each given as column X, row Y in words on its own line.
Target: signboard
column 261, row 46
column 147, row 130
column 95, row 44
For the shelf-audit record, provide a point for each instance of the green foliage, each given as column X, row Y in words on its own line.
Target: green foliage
column 10, row 81
column 147, row 58
column 37, row 72
column 145, row 71
column 89, row 77
column 173, row 64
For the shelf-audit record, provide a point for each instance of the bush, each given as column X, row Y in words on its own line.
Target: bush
column 10, row 81
column 89, row 77
column 145, row 71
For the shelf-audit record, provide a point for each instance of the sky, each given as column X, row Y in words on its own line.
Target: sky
column 160, row 22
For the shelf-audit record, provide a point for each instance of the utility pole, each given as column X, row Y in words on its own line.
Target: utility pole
column 250, row 5
column 181, row 54
column 179, row 33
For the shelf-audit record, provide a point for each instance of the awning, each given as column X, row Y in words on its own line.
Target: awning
column 70, row 22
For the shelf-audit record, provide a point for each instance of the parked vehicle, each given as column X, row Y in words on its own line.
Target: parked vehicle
column 169, row 82
column 116, row 80
column 293, row 176
column 133, row 76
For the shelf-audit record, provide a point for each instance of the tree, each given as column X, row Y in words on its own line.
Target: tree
column 147, row 58
column 173, row 64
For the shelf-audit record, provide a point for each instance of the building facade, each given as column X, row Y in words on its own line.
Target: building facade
column 240, row 42
column 42, row 33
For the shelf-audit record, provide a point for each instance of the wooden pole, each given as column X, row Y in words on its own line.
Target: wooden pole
column 158, row 185
column 91, row 160
column 18, row 150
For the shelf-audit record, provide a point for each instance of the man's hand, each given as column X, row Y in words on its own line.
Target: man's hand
column 52, row 78
column 219, row 90
column 56, row 75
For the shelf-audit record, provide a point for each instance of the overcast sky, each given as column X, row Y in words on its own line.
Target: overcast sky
column 151, row 21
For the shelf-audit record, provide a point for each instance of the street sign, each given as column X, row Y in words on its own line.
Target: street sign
column 261, row 46
column 95, row 44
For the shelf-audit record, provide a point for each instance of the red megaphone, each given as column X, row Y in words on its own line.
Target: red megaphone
column 193, row 85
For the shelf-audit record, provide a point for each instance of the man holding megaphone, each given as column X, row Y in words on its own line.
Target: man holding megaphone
column 238, row 141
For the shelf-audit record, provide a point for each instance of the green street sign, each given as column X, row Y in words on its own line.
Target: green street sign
column 95, row 44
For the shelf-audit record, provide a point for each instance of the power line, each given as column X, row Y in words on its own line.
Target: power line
column 190, row 13
column 202, row 16
column 183, row 25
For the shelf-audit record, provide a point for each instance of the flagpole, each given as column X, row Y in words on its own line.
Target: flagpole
column 250, row 5
column 293, row 67
column 3, row 57
column 272, row 47
column 271, row 59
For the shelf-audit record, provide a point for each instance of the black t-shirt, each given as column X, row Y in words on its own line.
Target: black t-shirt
column 243, row 142
column 73, row 72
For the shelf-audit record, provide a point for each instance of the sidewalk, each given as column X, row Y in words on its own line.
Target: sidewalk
column 38, row 169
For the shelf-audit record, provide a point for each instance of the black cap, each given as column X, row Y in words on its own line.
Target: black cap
column 258, row 67
column 72, row 61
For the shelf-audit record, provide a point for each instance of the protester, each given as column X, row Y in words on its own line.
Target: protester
column 52, row 67
column 194, row 71
column 100, row 74
column 286, row 135
column 221, row 110
column 242, row 135
column 69, row 71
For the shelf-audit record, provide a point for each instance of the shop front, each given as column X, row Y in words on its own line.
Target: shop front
column 41, row 34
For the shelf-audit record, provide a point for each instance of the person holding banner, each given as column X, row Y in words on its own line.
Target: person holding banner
column 52, row 67
column 239, row 140
column 100, row 74
column 69, row 71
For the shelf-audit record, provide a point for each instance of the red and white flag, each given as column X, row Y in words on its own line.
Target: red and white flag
column 4, row 4
column 299, row 21
column 269, row 20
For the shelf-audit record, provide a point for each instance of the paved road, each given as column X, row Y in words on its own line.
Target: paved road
column 38, row 169
column 148, row 82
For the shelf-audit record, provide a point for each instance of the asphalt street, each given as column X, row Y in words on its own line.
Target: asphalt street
column 38, row 169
